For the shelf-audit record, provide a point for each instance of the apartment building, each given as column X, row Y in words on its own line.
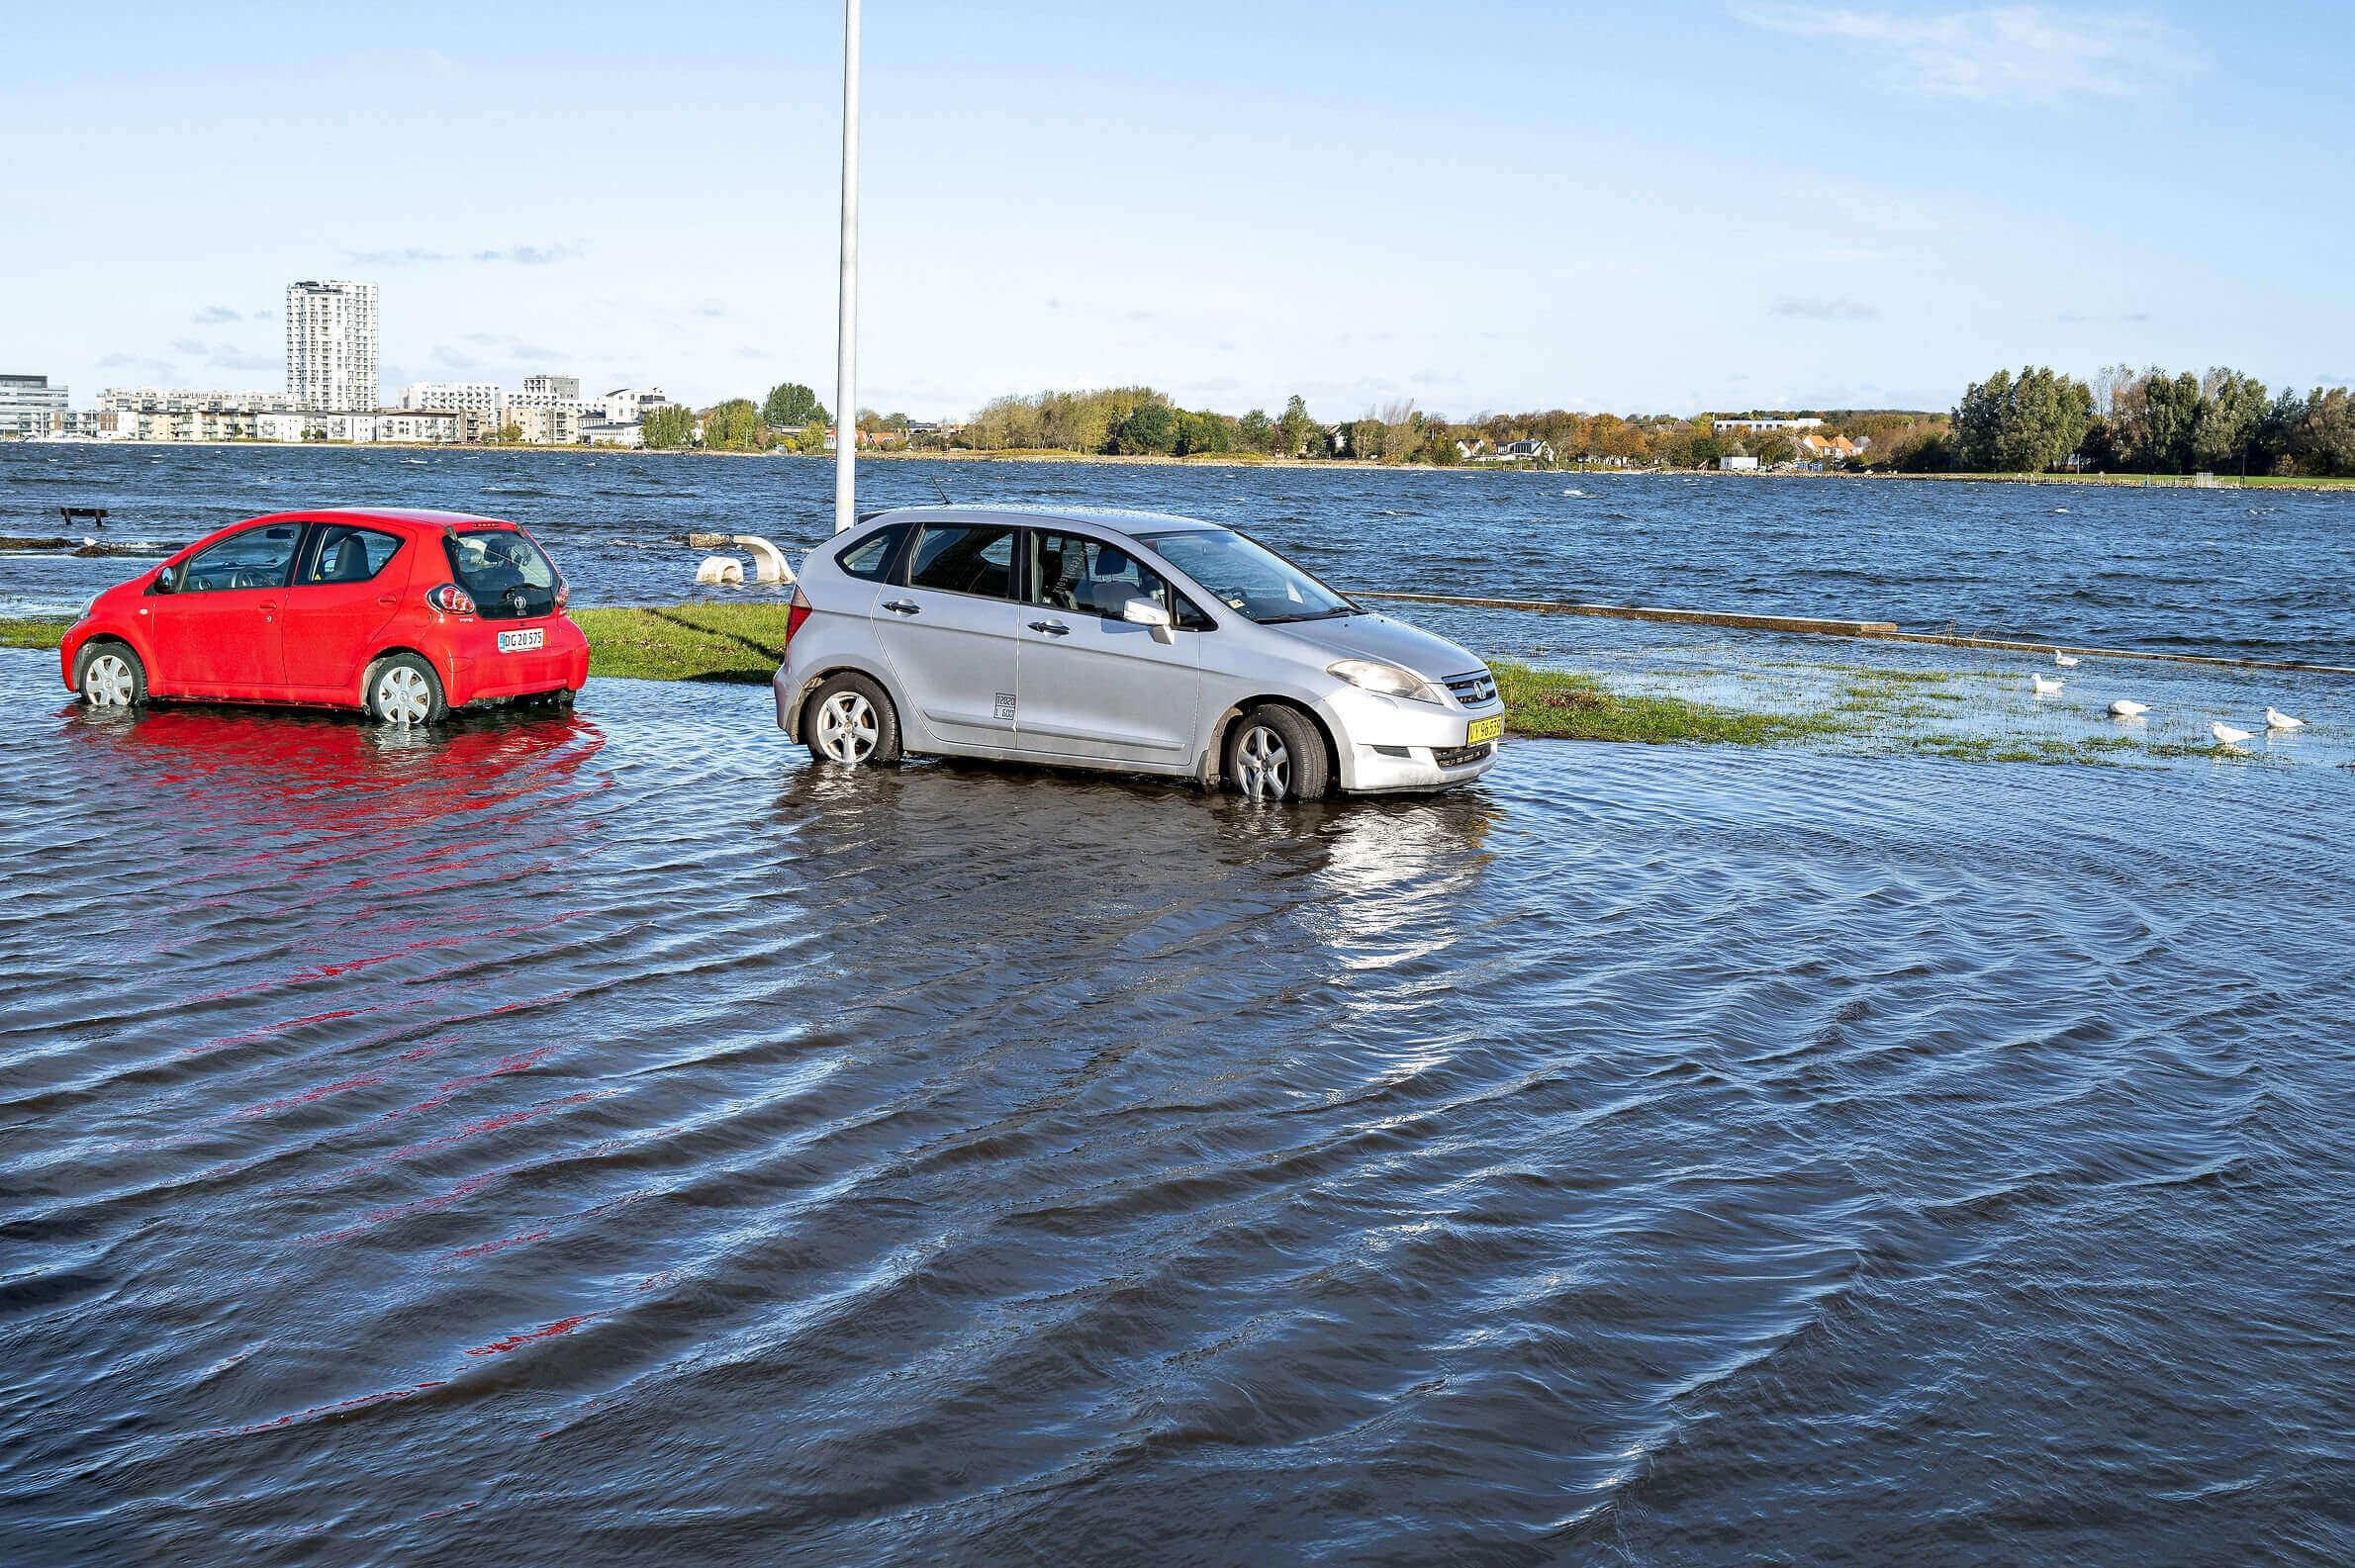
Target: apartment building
column 480, row 397
column 330, row 346
column 29, row 406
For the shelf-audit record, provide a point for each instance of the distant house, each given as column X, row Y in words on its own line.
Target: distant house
column 1526, row 452
column 1828, row 449
column 1474, row 450
column 1770, row 422
column 1738, row 465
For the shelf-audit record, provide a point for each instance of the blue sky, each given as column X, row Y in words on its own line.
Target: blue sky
column 1669, row 207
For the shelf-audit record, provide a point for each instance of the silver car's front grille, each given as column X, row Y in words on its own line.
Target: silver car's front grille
column 1474, row 689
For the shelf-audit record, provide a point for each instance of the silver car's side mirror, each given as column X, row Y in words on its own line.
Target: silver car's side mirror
column 1145, row 612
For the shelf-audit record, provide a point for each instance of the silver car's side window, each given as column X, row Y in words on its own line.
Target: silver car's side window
column 964, row 558
column 1089, row 577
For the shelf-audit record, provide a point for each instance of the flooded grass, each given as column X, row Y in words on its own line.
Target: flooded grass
column 1963, row 715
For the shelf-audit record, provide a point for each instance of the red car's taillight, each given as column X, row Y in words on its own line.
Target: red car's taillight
column 563, row 593
column 451, row 599
column 796, row 613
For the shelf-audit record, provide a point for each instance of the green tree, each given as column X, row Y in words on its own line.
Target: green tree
column 1293, row 430
column 2224, row 429
column 1151, row 430
column 791, row 404
column 734, row 426
column 2170, row 413
column 667, row 426
column 1255, row 430
column 1202, row 433
column 2022, row 425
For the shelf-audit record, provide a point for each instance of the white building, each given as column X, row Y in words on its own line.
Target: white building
column 556, row 388
column 612, row 433
column 1810, row 424
column 455, row 396
column 330, row 346
column 1738, row 465
column 629, row 405
column 29, row 406
column 177, row 400
column 557, row 425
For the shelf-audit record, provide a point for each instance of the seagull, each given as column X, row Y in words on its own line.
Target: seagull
column 2126, row 708
column 2226, row 735
column 2274, row 719
column 2041, row 687
column 2067, row 661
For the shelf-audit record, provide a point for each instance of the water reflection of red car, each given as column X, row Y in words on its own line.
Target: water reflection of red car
column 402, row 613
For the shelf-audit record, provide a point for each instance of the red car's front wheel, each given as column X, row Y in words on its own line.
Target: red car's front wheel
column 110, row 674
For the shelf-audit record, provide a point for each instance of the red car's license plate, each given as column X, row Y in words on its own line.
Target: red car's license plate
column 523, row 642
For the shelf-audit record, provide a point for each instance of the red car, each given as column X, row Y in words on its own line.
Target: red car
column 405, row 615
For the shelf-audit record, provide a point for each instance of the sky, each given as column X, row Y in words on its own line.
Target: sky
column 1670, row 207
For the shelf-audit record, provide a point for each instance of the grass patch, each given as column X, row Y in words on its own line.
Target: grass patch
column 686, row 642
column 44, row 634
column 1560, row 706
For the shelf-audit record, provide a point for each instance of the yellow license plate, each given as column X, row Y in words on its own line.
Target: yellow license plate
column 1484, row 729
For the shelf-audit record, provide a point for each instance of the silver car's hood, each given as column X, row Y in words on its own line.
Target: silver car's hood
column 1391, row 641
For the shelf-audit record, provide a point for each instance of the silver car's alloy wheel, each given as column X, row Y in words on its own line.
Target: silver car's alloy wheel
column 1262, row 767
column 402, row 697
column 847, row 728
column 107, row 680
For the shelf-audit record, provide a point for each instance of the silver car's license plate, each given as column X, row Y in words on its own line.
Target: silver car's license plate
column 523, row 642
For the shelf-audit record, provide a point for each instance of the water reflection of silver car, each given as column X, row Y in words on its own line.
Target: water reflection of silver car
column 1120, row 640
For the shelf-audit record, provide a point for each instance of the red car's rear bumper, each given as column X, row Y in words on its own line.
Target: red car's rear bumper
column 477, row 669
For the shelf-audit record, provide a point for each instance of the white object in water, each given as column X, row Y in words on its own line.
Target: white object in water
column 2226, row 735
column 2067, row 661
column 2274, row 719
column 2041, row 687
column 720, row 571
column 2126, row 708
column 768, row 562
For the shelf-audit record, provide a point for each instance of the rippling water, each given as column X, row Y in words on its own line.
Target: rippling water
column 2258, row 572
column 608, row 1140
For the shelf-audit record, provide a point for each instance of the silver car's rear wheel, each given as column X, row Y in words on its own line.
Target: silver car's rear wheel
column 1263, row 765
column 848, row 728
column 110, row 679
column 850, row 722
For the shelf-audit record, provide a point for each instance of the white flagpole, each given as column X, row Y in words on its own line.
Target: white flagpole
column 846, row 363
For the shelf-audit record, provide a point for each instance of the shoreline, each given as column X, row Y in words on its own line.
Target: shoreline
column 1233, row 460
column 1236, row 460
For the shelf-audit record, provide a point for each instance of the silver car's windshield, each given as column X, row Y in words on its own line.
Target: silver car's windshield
column 1249, row 577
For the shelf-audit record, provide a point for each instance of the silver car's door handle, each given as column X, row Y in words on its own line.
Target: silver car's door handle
column 901, row 606
column 1053, row 629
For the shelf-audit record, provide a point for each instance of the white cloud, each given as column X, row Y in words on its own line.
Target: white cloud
column 2026, row 51
column 1809, row 309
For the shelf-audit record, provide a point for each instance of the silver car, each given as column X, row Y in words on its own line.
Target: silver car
column 1123, row 640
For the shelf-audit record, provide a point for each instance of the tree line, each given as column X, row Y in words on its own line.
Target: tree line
column 2146, row 422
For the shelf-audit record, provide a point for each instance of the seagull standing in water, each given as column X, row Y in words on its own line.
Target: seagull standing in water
column 2226, row 735
column 2041, row 687
column 2274, row 719
column 2067, row 661
column 2126, row 708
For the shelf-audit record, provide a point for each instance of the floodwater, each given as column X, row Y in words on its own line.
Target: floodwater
column 608, row 1140
column 2259, row 572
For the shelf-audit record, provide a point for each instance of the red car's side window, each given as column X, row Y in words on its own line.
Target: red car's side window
column 254, row 558
column 340, row 553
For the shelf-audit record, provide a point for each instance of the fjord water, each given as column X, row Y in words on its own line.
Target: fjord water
column 2254, row 571
column 608, row 1140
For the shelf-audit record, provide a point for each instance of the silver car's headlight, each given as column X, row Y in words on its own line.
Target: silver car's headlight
column 1388, row 679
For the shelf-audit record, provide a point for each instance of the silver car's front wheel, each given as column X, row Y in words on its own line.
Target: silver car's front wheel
column 108, row 679
column 1276, row 751
column 1263, row 765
